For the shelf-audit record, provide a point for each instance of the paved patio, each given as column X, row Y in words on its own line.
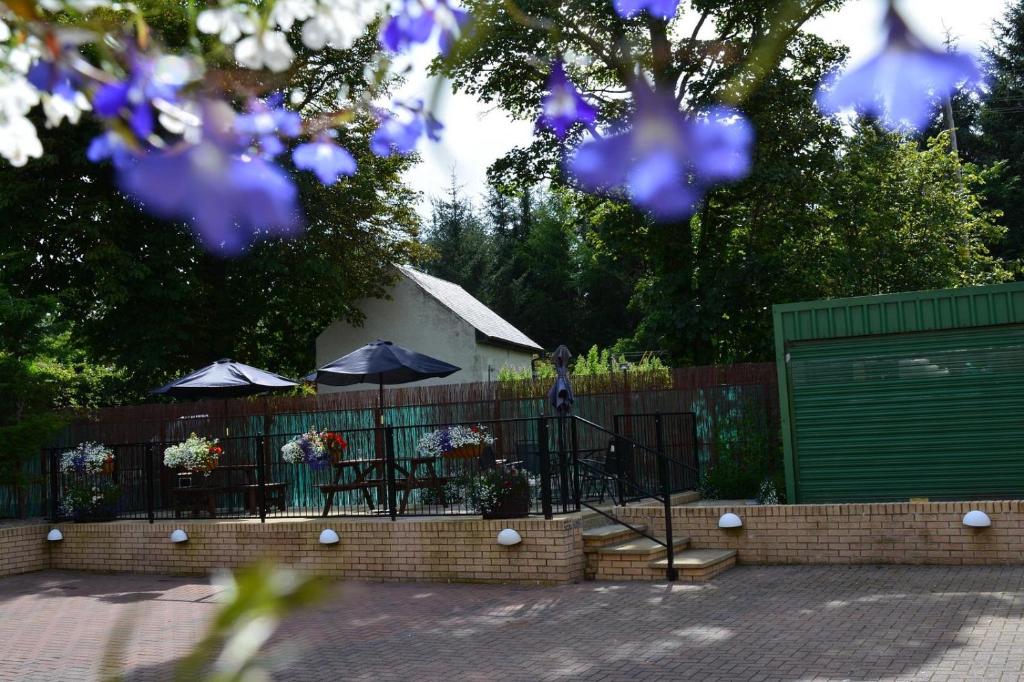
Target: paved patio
column 752, row 623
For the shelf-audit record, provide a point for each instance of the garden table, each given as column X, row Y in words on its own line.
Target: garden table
column 371, row 473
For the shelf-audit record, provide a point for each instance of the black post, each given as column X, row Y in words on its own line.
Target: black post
column 619, row 446
column 666, row 490
column 389, row 453
column 261, row 478
column 563, row 467
column 54, row 486
column 545, row 467
column 148, row 468
column 576, row 482
column 696, row 451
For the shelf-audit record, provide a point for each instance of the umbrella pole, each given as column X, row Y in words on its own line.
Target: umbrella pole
column 380, row 398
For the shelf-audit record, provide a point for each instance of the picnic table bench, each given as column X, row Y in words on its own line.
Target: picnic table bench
column 371, row 474
column 227, row 479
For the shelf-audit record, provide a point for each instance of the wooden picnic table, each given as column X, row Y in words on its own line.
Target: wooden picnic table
column 226, row 479
column 371, row 473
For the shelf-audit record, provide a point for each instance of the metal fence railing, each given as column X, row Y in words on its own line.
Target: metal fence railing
column 388, row 471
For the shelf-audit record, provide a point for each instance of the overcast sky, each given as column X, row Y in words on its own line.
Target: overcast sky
column 475, row 134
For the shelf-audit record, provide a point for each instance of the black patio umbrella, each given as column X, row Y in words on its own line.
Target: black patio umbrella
column 224, row 379
column 381, row 362
column 560, row 395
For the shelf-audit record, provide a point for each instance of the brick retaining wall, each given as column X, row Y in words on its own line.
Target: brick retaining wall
column 407, row 550
column 23, row 549
column 901, row 533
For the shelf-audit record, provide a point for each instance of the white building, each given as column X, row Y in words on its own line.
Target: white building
column 437, row 318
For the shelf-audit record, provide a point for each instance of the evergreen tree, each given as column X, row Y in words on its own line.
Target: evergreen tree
column 462, row 248
column 1002, row 124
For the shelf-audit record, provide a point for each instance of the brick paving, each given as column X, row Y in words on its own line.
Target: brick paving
column 751, row 623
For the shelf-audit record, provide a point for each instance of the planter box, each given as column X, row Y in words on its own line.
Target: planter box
column 509, row 508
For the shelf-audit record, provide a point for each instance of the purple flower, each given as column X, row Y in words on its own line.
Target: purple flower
column 898, row 84
column 663, row 9
column 666, row 160
column 396, row 136
column 55, row 79
column 324, row 158
column 266, row 122
column 228, row 198
column 415, row 23
column 108, row 145
column 563, row 105
column 133, row 97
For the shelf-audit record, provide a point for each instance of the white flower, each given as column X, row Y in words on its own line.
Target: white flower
column 231, row 23
column 337, row 24
column 5, row 31
column 21, row 57
column 287, row 12
column 57, row 108
column 17, row 96
column 269, row 49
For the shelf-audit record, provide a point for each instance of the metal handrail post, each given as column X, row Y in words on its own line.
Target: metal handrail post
column 148, row 467
column 666, row 490
column 261, row 477
column 389, row 454
column 545, row 467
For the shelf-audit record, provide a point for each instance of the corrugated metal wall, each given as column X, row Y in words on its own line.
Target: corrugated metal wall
column 908, row 395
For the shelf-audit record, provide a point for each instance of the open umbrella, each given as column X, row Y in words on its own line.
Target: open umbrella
column 381, row 362
column 224, row 379
column 560, row 395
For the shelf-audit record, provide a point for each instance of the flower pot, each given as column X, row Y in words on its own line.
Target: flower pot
column 465, row 451
column 511, row 507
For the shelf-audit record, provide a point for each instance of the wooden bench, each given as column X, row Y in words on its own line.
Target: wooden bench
column 226, row 480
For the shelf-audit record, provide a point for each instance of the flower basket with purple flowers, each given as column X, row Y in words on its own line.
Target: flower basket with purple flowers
column 314, row 448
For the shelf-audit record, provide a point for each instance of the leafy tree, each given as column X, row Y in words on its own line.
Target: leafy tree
column 702, row 289
column 1000, row 123
column 141, row 294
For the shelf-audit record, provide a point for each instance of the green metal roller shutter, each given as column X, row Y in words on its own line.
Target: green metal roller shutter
column 933, row 414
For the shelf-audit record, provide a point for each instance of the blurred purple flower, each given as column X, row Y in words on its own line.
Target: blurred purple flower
column 663, row 9
column 324, row 158
column 667, row 160
column 415, row 23
column 147, row 81
column 396, row 136
column 899, row 83
column 108, row 145
column 226, row 197
column 54, row 78
column 563, row 105
column 266, row 122
column 434, row 128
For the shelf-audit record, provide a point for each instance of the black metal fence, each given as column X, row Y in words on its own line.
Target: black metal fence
column 388, row 471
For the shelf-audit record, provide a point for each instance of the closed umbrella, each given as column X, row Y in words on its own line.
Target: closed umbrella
column 560, row 395
column 381, row 362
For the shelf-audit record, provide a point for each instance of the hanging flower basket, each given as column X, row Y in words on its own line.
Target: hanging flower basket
column 465, row 451
column 195, row 455
column 455, row 442
column 108, row 465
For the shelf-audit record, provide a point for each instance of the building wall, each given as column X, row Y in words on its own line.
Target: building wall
column 464, row 550
column 416, row 320
column 899, row 533
column 23, row 549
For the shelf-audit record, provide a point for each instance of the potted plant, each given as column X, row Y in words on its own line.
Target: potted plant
column 315, row 448
column 455, row 442
column 502, row 493
column 89, row 494
column 194, row 455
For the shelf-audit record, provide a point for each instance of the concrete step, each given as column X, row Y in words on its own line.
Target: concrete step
column 697, row 565
column 608, row 534
column 641, row 546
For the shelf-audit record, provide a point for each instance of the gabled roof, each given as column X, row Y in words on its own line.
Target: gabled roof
column 490, row 327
